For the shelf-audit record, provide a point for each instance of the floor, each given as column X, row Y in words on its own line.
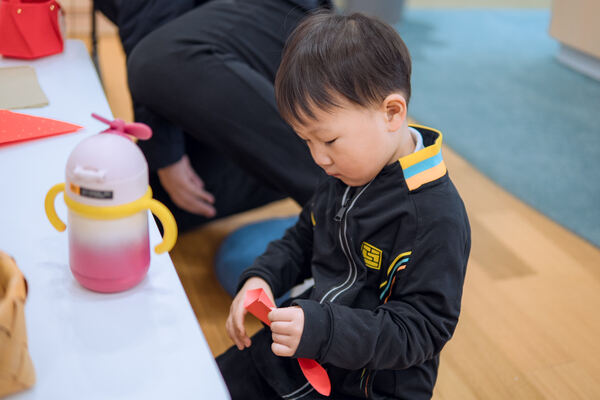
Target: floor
column 530, row 322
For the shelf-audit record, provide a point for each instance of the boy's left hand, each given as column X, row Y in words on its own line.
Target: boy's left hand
column 287, row 325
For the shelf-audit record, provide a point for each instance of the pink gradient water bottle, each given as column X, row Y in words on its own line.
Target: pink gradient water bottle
column 107, row 196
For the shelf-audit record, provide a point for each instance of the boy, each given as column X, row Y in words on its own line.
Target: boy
column 385, row 237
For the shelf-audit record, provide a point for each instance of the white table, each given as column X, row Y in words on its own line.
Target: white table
column 144, row 343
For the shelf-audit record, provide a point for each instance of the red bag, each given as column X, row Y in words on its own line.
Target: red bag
column 29, row 28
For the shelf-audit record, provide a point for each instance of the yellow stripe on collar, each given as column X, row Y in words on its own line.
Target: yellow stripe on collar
column 427, row 152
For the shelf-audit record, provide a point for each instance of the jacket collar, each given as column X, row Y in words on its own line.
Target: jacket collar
column 427, row 164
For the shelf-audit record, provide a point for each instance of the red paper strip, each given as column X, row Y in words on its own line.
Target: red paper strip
column 316, row 375
column 258, row 303
column 17, row 127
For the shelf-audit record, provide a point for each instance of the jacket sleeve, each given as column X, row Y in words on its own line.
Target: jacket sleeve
column 287, row 261
column 418, row 318
column 167, row 144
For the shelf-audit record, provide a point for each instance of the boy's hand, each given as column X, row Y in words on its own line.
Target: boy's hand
column 287, row 325
column 237, row 312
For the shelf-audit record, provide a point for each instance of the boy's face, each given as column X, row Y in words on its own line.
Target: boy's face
column 351, row 143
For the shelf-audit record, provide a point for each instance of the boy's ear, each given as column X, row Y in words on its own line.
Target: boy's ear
column 394, row 106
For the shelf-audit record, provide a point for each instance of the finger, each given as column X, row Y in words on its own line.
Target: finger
column 282, row 339
column 236, row 319
column 239, row 328
column 185, row 181
column 195, row 183
column 206, row 196
column 178, row 194
column 190, row 203
column 196, row 179
column 202, row 208
column 231, row 334
column 180, row 200
column 284, row 314
column 194, row 206
column 199, row 192
column 281, row 350
column 193, row 189
column 182, row 203
column 282, row 327
column 197, row 203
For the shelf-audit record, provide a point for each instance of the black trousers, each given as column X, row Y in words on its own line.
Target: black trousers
column 204, row 84
column 242, row 378
column 253, row 374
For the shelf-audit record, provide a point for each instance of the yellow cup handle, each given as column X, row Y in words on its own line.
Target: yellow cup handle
column 157, row 208
column 49, row 206
column 169, row 226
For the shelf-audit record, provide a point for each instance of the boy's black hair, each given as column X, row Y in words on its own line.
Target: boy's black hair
column 329, row 56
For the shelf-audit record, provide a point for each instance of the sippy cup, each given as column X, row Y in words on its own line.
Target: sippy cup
column 107, row 196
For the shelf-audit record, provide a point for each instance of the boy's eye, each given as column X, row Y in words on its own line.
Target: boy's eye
column 331, row 141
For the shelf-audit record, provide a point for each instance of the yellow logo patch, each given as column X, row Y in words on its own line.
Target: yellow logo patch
column 372, row 255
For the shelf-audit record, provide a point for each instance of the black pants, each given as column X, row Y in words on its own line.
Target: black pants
column 253, row 374
column 204, row 83
column 242, row 378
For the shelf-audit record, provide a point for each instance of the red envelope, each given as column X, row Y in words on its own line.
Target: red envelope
column 258, row 303
column 17, row 127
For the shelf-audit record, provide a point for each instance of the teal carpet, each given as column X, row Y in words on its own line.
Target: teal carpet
column 488, row 79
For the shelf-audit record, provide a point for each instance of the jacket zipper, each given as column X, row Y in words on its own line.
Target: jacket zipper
column 347, row 204
column 339, row 216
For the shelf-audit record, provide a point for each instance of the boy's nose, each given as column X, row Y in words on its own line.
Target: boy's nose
column 319, row 155
column 322, row 159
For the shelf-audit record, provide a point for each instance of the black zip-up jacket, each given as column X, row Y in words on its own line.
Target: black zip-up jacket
column 388, row 260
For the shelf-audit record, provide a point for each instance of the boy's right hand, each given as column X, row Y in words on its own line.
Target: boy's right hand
column 237, row 312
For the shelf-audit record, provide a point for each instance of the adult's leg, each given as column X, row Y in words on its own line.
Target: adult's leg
column 137, row 18
column 210, row 72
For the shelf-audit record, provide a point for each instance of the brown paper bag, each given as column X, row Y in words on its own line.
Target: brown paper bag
column 16, row 368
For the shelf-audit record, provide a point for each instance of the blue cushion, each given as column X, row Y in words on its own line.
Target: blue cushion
column 239, row 250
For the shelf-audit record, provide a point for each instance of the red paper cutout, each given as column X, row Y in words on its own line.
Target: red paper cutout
column 17, row 127
column 316, row 375
column 259, row 304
